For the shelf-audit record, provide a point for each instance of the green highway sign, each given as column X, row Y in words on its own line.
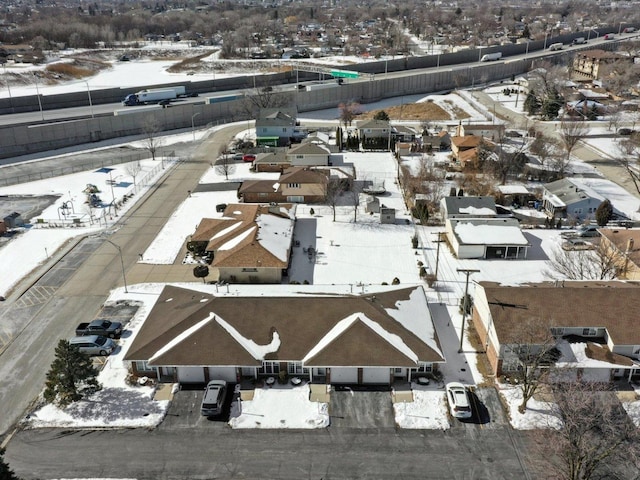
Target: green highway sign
column 344, row 74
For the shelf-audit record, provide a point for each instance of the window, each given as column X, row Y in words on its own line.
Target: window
column 284, row 130
column 557, row 331
column 262, row 194
column 249, row 269
column 293, row 185
column 300, row 157
column 588, row 332
column 423, row 367
column 269, row 368
column 295, row 368
column 143, row 366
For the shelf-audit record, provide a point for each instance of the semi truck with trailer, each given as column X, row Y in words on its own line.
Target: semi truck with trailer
column 154, row 95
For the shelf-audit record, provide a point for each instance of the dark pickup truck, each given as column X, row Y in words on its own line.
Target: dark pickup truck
column 105, row 328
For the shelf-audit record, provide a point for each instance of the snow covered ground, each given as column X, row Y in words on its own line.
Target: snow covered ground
column 354, row 255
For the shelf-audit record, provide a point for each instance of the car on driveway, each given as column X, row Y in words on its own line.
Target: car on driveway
column 582, row 231
column 94, row 345
column 577, row 244
column 248, row 157
column 458, row 400
column 213, row 399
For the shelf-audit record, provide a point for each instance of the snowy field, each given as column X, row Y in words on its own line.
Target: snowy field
column 353, row 255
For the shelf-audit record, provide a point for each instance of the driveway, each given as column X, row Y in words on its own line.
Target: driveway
column 354, row 408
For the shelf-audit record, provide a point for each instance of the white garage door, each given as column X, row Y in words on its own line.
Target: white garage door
column 223, row 373
column 344, row 375
column 191, row 374
column 376, row 376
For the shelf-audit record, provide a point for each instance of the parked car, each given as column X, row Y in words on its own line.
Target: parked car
column 625, row 131
column 577, row 244
column 248, row 157
column 238, row 156
column 94, row 345
column 105, row 328
column 458, row 400
column 582, row 231
column 213, row 399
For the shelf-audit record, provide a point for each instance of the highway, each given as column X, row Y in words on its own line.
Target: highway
column 66, row 114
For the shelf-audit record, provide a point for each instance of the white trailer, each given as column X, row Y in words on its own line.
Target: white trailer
column 490, row 57
column 154, row 95
column 555, row 46
column 320, row 86
column 145, row 108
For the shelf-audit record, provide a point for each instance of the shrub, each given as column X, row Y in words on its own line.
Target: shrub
column 396, row 281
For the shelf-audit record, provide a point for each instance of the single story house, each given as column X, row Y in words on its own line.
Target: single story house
column 599, row 319
column 402, row 133
column 192, row 337
column 493, row 132
column 624, row 245
column 468, row 207
column 273, row 161
column 249, row 243
column 487, row 238
column 308, row 154
column 295, row 185
column 570, row 198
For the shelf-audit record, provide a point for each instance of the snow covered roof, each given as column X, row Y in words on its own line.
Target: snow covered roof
column 390, row 328
column 498, row 231
column 567, row 191
column 249, row 235
column 469, row 206
column 513, row 189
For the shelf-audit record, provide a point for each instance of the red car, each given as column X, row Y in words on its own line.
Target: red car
column 248, row 157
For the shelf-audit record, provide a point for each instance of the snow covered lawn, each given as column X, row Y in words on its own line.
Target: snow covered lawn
column 537, row 415
column 427, row 411
column 280, row 407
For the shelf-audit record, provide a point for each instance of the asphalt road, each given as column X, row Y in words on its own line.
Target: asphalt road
column 200, row 452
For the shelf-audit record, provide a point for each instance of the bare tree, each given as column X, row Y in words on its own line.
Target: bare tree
column 531, row 351
column 335, row 189
column 570, row 134
column 598, row 264
column 225, row 166
column 151, row 129
column 133, row 169
column 629, row 158
column 349, row 111
column 597, row 439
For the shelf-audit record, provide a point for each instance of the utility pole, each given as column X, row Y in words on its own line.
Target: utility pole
column 438, row 250
column 467, row 271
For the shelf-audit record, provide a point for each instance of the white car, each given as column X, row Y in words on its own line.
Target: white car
column 458, row 400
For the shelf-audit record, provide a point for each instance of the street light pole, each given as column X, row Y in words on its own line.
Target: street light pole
column 38, row 95
column 90, row 102
column 193, row 131
column 467, row 271
column 124, row 278
column 113, row 197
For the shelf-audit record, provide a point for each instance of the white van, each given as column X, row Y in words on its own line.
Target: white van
column 555, row 46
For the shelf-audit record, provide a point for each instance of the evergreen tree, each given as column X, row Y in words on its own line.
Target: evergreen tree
column 381, row 115
column 71, row 376
column 604, row 213
column 551, row 105
column 5, row 472
column 532, row 103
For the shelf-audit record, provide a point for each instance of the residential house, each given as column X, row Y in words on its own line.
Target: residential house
column 624, row 246
column 402, row 133
column 193, row 337
column 589, row 64
column 295, row 185
column 249, row 243
column 272, row 161
column 465, row 149
column 571, row 199
column 594, row 323
column 441, row 141
column 308, row 154
column 276, row 123
column 373, row 128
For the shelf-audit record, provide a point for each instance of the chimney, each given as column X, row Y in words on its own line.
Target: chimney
column 629, row 245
